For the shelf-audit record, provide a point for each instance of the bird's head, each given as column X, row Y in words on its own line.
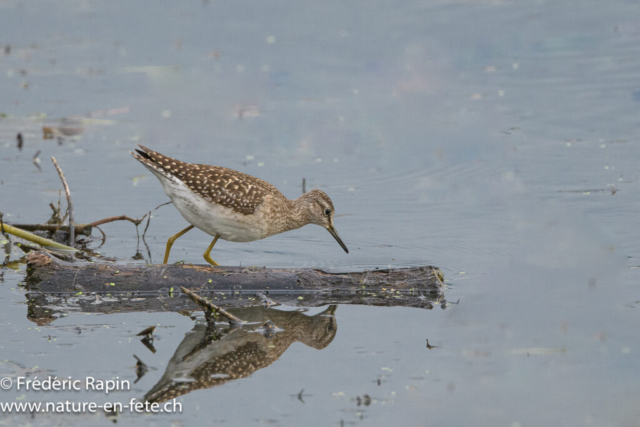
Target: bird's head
column 318, row 209
column 319, row 330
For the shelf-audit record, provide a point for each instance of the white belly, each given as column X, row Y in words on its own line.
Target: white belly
column 213, row 218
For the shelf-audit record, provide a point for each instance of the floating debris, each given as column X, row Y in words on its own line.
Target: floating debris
column 141, row 369
column 148, row 332
column 36, row 160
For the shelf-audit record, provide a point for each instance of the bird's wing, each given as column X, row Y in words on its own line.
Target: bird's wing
column 226, row 187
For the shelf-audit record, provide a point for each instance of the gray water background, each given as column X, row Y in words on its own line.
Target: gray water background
column 497, row 140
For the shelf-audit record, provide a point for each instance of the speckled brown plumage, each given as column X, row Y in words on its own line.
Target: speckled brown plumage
column 232, row 205
column 202, row 362
column 229, row 188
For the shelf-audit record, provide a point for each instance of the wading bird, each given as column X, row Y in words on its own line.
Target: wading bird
column 231, row 205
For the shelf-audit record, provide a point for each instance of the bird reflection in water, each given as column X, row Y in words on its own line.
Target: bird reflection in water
column 211, row 355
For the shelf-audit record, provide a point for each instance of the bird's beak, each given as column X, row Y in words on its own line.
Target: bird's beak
column 331, row 229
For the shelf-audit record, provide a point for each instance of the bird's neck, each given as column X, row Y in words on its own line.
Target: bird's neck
column 290, row 216
column 298, row 216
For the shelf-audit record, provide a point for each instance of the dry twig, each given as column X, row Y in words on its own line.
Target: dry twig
column 118, row 218
column 72, row 230
column 104, row 236
column 79, row 228
column 149, row 218
column 2, row 230
column 34, row 238
column 208, row 305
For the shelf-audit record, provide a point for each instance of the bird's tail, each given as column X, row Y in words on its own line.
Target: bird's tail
column 158, row 163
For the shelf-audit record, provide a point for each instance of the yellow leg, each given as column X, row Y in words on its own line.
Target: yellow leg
column 173, row 239
column 207, row 253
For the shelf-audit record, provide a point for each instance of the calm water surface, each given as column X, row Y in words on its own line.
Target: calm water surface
column 497, row 140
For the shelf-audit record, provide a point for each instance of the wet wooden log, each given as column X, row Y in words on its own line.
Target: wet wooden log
column 131, row 287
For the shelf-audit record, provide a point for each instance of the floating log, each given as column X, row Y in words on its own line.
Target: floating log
column 96, row 287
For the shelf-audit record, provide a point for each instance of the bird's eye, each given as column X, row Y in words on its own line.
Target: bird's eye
column 327, row 212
